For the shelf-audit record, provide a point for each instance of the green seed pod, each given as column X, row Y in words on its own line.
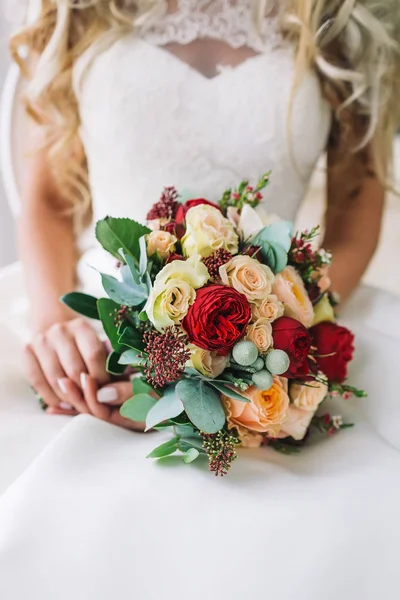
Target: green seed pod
column 258, row 365
column 245, row 353
column 277, row 362
column 263, row 380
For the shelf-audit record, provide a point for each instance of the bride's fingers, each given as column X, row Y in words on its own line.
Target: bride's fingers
column 90, row 391
column 93, row 352
column 37, row 378
column 56, row 410
column 67, row 351
column 49, row 364
column 74, row 395
column 115, row 394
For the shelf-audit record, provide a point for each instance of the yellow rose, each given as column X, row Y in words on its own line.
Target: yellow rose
column 248, row 276
column 260, row 333
column 265, row 412
column 323, row 311
column 208, row 363
column 271, row 309
column 174, row 291
column 290, row 289
column 161, row 243
column 207, row 230
column 308, row 396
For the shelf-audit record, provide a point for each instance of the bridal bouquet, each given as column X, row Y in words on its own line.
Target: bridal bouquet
column 226, row 318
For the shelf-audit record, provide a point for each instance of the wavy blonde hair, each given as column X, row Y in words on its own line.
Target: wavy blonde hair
column 351, row 44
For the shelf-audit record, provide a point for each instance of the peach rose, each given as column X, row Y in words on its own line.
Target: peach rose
column 308, row 396
column 156, row 224
column 271, row 309
column 265, row 412
column 248, row 276
column 323, row 279
column 249, row 439
column 161, row 243
column 260, row 333
column 296, row 423
column 208, row 363
column 290, row 289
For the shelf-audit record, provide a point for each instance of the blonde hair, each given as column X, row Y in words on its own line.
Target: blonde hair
column 351, row 44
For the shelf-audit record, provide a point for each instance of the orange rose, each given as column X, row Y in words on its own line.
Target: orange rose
column 290, row 289
column 265, row 412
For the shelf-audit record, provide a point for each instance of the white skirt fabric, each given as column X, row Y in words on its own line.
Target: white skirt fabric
column 91, row 519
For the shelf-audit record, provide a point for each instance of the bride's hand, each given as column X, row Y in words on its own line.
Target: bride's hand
column 64, row 352
column 102, row 402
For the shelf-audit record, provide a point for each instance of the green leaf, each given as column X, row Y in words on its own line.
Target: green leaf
column 274, row 241
column 202, row 405
column 136, row 408
column 130, row 357
column 113, row 365
column 143, row 255
column 190, row 455
column 227, row 391
column 82, row 303
column 140, row 386
column 132, row 338
column 131, row 265
column 165, row 449
column 143, row 316
column 114, row 234
column 168, row 407
column 108, row 314
column 122, row 292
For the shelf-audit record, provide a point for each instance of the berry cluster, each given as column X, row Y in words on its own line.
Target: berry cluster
column 220, row 448
column 166, row 356
column 166, row 207
column 215, row 261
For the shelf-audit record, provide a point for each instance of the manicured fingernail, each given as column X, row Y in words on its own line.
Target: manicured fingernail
column 83, row 380
column 62, row 386
column 66, row 406
column 107, row 394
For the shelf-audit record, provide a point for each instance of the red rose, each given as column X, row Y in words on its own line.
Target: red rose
column 182, row 210
column 175, row 256
column 176, row 229
column 335, row 348
column 292, row 337
column 217, row 319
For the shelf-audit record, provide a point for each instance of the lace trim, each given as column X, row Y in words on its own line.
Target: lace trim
column 230, row 21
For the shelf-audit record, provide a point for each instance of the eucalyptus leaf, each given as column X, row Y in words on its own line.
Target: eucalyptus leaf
column 165, row 449
column 113, row 365
column 114, row 234
column 108, row 314
column 227, row 391
column 143, row 255
column 122, row 292
column 130, row 357
column 82, row 303
column 131, row 264
column 274, row 242
column 168, row 407
column 202, row 405
column 136, row 408
column 140, row 386
column 190, row 455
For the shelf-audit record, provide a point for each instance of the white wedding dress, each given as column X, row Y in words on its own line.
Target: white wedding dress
column 90, row 518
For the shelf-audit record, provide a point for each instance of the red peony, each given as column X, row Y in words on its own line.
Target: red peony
column 217, row 319
column 292, row 337
column 335, row 349
column 182, row 210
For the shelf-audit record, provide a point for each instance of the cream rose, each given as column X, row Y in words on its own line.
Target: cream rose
column 271, row 309
column 265, row 412
column 296, row 423
column 323, row 311
column 248, row 276
column 208, row 363
column 207, row 230
column 174, row 291
column 161, row 243
column 308, row 396
column 290, row 289
column 260, row 333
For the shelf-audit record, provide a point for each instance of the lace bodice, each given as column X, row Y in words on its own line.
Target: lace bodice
column 151, row 118
column 232, row 21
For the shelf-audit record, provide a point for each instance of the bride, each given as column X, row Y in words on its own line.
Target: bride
column 130, row 96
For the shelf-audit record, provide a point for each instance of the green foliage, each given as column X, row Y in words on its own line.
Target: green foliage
column 82, row 303
column 131, row 357
column 165, row 449
column 114, row 234
column 202, row 404
column 227, row 391
column 140, row 386
column 167, row 407
column 136, row 408
column 113, row 365
column 123, row 292
column 242, row 195
column 108, row 310
column 274, row 242
column 190, row 455
column 131, row 338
